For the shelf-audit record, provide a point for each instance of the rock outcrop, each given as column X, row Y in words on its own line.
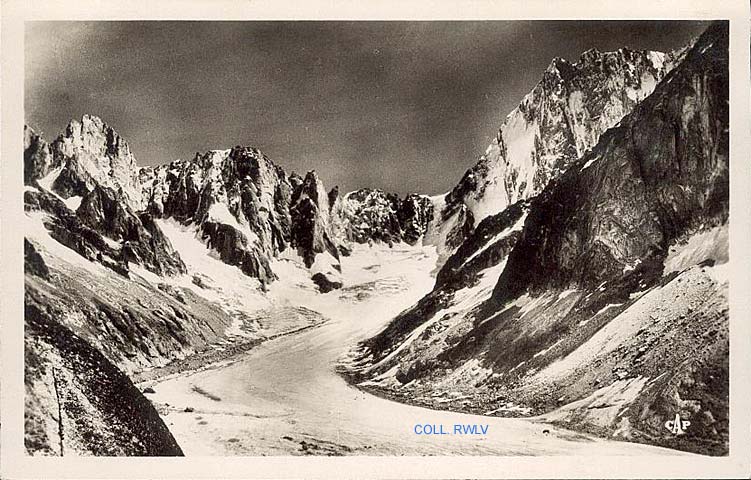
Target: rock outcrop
column 311, row 232
column 66, row 228
column 142, row 242
column 38, row 160
column 415, row 214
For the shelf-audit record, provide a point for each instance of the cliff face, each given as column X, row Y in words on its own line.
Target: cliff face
column 661, row 172
column 556, row 123
column 37, row 156
column 311, row 232
column 601, row 302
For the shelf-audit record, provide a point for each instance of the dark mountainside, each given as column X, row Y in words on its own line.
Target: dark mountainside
column 582, row 271
column 610, row 313
column 100, row 411
column 661, row 173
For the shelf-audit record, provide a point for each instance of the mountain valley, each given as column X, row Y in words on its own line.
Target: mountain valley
column 573, row 282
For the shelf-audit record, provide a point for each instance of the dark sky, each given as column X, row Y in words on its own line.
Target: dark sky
column 402, row 106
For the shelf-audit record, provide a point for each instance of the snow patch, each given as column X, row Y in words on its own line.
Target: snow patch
column 709, row 244
column 218, row 212
column 616, row 332
column 607, row 307
column 546, row 350
column 49, row 179
column 590, row 162
column 516, row 227
column 112, row 243
column 603, row 406
column 657, row 59
column 73, row 202
column 326, row 264
column 35, row 230
column 720, row 273
column 566, row 293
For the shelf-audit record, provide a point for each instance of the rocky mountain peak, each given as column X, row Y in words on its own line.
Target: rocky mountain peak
column 663, row 169
column 372, row 215
column 333, row 196
column 312, row 187
column 311, row 232
column 558, row 121
column 92, row 153
column 589, row 56
column 558, row 67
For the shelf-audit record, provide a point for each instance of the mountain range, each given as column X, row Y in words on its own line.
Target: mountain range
column 581, row 273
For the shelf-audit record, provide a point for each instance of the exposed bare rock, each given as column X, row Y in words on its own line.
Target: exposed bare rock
column 234, row 249
column 92, row 153
column 415, row 214
column 311, row 232
column 37, row 156
column 368, row 215
column 556, row 123
column 77, row 401
column 660, row 173
column 34, row 262
column 65, row 227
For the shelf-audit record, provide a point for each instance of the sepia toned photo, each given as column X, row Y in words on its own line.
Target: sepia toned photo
column 376, row 238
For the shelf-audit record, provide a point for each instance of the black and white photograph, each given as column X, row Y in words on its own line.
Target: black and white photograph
column 488, row 237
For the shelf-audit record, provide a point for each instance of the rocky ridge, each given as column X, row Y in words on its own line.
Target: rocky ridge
column 605, row 307
column 241, row 204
